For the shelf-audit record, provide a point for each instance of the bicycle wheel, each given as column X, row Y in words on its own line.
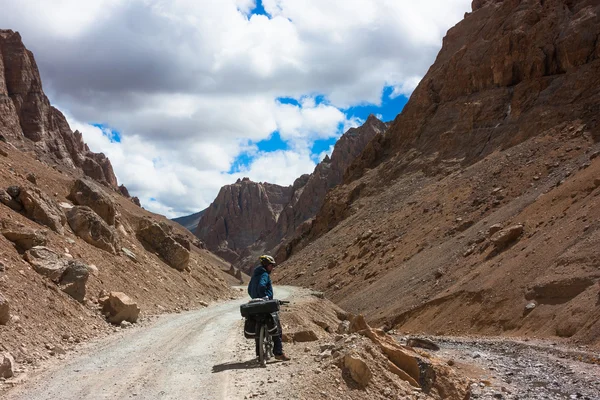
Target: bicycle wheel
column 261, row 345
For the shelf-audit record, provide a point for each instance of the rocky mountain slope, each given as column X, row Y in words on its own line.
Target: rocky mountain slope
column 76, row 253
column 476, row 211
column 29, row 122
column 249, row 218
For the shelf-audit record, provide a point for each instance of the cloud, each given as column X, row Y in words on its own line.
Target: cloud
column 191, row 85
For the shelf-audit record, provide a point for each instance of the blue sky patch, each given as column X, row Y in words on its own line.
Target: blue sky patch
column 272, row 144
column 111, row 134
column 320, row 146
column 388, row 109
column 259, row 9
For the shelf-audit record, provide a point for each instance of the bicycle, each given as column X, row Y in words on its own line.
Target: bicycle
column 262, row 316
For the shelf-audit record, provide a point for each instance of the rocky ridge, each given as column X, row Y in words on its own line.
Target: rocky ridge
column 474, row 213
column 29, row 122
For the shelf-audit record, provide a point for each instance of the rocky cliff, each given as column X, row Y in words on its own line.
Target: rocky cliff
column 474, row 212
column 240, row 214
column 30, row 123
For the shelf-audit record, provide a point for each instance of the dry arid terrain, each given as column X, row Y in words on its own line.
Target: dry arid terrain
column 477, row 211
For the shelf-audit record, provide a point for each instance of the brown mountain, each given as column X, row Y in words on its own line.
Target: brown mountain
column 30, row 123
column 248, row 218
column 476, row 211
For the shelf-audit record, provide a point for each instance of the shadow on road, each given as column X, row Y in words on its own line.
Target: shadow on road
column 251, row 364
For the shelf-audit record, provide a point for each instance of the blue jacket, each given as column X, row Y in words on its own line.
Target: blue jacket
column 260, row 284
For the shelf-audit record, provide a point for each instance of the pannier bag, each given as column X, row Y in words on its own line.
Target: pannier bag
column 250, row 328
column 259, row 307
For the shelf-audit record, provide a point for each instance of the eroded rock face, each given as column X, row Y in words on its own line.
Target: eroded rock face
column 90, row 227
column 86, row 193
column 509, row 71
column 41, row 208
column 240, row 214
column 28, row 121
column 118, row 307
column 165, row 245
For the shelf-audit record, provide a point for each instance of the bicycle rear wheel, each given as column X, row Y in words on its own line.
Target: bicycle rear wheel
column 262, row 356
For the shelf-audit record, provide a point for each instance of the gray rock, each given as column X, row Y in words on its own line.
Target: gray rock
column 91, row 228
column 87, row 193
column 42, row 209
column 46, row 262
column 74, row 279
column 165, row 245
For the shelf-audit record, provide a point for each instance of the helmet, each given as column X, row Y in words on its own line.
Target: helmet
column 266, row 260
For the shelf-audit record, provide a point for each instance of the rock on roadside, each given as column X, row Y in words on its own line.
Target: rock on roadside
column 118, row 307
column 359, row 370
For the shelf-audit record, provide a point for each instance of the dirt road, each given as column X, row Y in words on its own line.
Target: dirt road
column 193, row 355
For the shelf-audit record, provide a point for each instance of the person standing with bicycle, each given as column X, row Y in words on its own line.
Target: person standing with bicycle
column 260, row 286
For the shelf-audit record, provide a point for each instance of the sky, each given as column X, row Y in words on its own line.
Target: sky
column 185, row 96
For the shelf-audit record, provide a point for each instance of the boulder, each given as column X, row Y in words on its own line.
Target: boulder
column 238, row 276
column 90, row 227
column 506, row 236
column 359, row 370
column 86, row 193
column 46, row 262
column 24, row 238
column 9, row 201
column 4, row 310
column 7, row 364
column 165, row 245
column 118, row 307
column 42, row 209
column 74, row 279
column 305, row 336
column 423, row 343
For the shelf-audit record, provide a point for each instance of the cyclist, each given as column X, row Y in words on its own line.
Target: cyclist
column 260, row 286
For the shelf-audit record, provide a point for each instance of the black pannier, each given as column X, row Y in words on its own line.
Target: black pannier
column 259, row 307
column 250, row 328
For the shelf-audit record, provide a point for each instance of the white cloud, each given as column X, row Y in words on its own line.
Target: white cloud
column 191, row 84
